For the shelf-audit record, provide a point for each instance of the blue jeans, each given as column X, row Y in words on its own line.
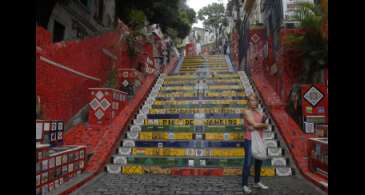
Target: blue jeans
column 247, row 164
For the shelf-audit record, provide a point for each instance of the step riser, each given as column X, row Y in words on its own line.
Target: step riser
column 140, row 170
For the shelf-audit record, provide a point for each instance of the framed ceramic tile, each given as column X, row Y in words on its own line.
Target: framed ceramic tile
column 44, row 177
column 53, row 137
column 191, row 163
column 39, row 131
column 160, row 145
column 60, row 126
column 77, row 155
column 64, row 169
column 58, row 172
column 309, row 127
column 81, row 164
column 199, row 152
column 71, row 157
column 76, row 165
column 64, row 159
column 38, row 180
column 60, row 135
column 51, row 163
column 45, row 165
column 51, row 174
column 46, row 138
column 38, row 167
column 226, row 136
column 321, row 109
column 70, row 167
column 202, row 163
column 39, row 155
column 46, row 126
column 82, row 153
column 58, row 160
column 308, row 109
column 53, row 126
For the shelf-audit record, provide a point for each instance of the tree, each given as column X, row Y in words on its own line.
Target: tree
column 312, row 44
column 169, row 14
column 213, row 17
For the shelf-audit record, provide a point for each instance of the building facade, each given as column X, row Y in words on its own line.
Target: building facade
column 76, row 19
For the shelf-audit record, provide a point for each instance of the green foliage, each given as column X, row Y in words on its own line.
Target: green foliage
column 134, row 47
column 112, row 79
column 136, row 19
column 213, row 17
column 172, row 33
column 312, row 44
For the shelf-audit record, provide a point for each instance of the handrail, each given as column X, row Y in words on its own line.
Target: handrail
column 44, row 59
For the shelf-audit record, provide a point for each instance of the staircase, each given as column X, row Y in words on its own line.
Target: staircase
column 191, row 124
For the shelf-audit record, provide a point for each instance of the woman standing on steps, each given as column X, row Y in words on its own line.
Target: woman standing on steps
column 253, row 120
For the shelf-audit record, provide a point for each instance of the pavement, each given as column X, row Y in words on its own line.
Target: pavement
column 108, row 184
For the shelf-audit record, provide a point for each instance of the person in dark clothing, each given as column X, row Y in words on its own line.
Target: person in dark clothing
column 225, row 48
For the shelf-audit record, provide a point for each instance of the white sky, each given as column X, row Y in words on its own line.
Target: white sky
column 197, row 4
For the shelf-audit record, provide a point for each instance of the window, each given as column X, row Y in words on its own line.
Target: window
column 58, row 31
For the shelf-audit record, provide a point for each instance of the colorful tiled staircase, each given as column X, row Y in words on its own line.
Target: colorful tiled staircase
column 186, row 127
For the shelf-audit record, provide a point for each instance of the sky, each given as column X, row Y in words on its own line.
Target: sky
column 197, row 4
